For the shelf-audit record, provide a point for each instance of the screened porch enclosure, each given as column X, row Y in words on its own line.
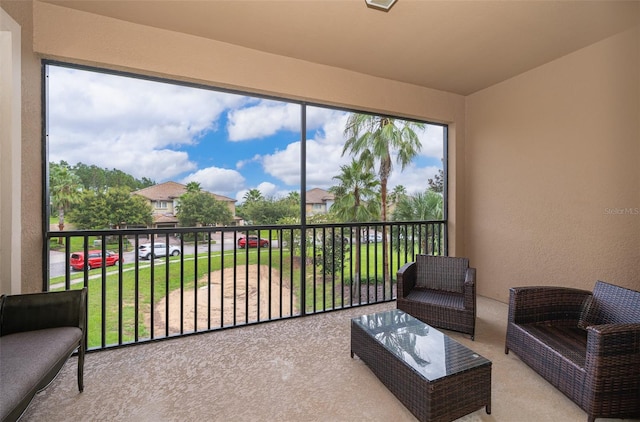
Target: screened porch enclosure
column 210, row 282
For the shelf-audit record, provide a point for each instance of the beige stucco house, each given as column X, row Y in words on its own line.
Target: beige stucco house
column 164, row 199
column 541, row 101
column 318, row 201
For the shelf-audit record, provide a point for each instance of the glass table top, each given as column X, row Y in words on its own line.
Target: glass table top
column 428, row 351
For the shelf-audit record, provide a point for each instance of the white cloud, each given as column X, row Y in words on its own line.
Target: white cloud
column 324, row 156
column 267, row 189
column 240, row 196
column 324, row 153
column 242, row 163
column 323, row 118
column 148, row 129
column 413, row 178
column 432, row 141
column 267, row 117
column 217, row 180
column 127, row 123
column 262, row 120
column 323, row 163
column 284, row 165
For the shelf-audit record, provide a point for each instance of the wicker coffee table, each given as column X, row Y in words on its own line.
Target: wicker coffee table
column 434, row 376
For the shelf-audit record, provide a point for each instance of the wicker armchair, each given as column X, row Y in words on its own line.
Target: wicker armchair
column 440, row 291
column 585, row 344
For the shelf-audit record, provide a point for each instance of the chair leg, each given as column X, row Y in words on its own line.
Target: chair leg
column 81, row 368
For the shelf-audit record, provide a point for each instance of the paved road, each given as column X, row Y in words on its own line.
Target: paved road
column 57, row 259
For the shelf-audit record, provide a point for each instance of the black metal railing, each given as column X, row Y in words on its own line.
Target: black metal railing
column 161, row 283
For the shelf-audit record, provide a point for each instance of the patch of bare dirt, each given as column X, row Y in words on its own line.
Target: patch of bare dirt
column 247, row 299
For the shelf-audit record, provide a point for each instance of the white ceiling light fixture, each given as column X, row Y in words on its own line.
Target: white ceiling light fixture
column 380, row 4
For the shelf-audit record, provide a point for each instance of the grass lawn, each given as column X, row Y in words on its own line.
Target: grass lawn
column 122, row 290
column 130, row 294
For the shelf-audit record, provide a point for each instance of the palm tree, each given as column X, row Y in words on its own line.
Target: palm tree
column 294, row 197
column 64, row 188
column 374, row 140
column 356, row 195
column 356, row 200
column 253, row 195
column 193, row 187
column 423, row 206
column 396, row 194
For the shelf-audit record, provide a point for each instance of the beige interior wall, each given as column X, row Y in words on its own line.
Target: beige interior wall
column 77, row 37
column 10, row 135
column 553, row 179
column 30, row 153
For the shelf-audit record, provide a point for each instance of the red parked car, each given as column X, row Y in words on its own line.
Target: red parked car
column 254, row 242
column 95, row 259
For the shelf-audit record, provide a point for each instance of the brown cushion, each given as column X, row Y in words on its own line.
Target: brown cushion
column 28, row 362
column 441, row 273
column 438, row 298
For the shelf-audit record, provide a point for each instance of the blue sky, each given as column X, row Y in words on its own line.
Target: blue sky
column 228, row 143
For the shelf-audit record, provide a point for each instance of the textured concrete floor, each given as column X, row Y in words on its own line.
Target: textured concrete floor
column 293, row 370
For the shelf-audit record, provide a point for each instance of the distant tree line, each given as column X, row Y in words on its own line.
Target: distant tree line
column 98, row 179
column 96, row 198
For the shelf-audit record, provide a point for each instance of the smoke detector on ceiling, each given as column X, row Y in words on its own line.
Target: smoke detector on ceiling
column 380, row 4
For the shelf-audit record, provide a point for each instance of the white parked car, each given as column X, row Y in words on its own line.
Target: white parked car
column 371, row 237
column 159, row 249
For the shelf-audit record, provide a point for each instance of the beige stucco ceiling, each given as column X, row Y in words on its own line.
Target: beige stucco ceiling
column 455, row 46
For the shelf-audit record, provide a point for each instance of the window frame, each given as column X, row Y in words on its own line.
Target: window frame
column 45, row 63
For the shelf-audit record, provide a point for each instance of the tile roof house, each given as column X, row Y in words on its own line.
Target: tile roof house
column 318, row 201
column 164, row 199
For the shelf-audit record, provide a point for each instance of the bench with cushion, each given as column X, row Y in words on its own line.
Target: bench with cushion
column 585, row 344
column 38, row 333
